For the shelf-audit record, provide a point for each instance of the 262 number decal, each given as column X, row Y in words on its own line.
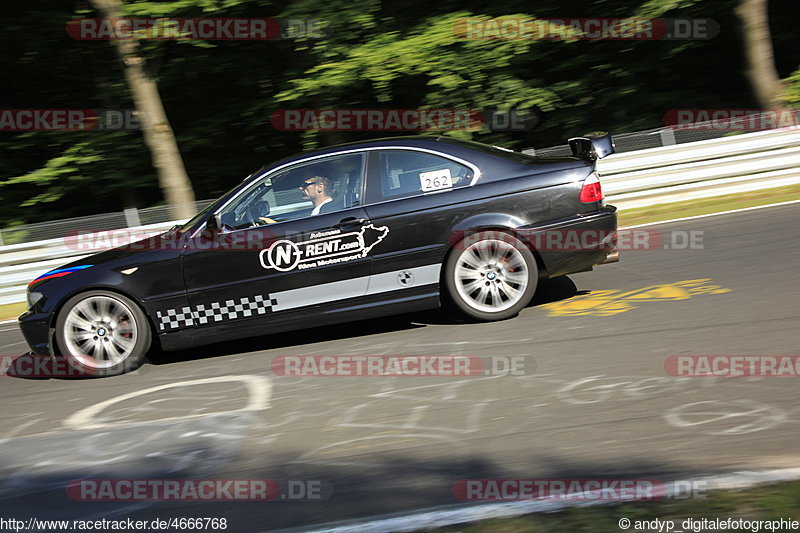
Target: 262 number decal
column 435, row 180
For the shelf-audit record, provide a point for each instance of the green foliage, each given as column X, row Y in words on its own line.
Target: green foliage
column 456, row 72
column 219, row 94
column 59, row 174
column 791, row 93
column 657, row 8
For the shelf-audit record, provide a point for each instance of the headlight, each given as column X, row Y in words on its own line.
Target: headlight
column 34, row 297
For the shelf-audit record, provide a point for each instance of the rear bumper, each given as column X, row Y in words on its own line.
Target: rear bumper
column 612, row 257
column 575, row 244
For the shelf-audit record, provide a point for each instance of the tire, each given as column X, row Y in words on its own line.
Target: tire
column 102, row 333
column 490, row 276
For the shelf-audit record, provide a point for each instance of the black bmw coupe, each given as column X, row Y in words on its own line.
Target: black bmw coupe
column 343, row 233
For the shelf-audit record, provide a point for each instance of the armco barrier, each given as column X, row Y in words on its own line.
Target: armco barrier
column 701, row 169
column 21, row 263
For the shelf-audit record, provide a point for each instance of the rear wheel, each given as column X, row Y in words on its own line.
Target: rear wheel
column 102, row 333
column 491, row 276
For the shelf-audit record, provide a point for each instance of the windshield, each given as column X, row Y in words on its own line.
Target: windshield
column 194, row 220
column 212, row 206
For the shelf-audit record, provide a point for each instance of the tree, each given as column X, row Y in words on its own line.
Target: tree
column 220, row 94
column 759, row 54
column 156, row 129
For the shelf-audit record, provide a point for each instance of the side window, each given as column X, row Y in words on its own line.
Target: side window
column 304, row 189
column 408, row 173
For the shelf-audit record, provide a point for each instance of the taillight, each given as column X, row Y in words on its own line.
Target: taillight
column 591, row 190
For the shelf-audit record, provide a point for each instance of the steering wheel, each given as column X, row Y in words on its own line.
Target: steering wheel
column 258, row 210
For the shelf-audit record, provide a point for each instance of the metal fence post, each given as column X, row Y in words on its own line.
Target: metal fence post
column 667, row 137
column 132, row 217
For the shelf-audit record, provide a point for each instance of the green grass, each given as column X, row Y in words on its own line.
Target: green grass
column 643, row 215
column 10, row 311
column 767, row 502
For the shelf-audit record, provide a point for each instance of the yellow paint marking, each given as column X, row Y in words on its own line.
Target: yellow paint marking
column 607, row 303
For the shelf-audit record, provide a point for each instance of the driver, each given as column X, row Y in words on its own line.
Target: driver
column 318, row 189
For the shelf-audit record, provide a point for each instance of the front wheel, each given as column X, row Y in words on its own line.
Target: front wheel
column 491, row 276
column 102, row 333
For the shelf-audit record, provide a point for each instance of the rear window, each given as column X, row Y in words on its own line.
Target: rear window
column 408, row 173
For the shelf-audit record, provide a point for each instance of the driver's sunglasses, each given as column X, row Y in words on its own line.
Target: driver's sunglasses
column 307, row 183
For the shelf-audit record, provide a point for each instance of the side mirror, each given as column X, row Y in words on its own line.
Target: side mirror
column 212, row 223
column 591, row 146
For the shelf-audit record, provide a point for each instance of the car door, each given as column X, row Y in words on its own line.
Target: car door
column 419, row 195
column 253, row 277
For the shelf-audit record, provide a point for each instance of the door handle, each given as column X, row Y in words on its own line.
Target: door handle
column 350, row 221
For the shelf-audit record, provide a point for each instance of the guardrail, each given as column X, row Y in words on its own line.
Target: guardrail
column 702, row 169
column 21, row 263
column 699, row 169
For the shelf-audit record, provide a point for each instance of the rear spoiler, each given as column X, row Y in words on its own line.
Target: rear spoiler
column 592, row 146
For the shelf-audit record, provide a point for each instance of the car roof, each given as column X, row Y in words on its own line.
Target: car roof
column 446, row 145
column 404, row 140
column 492, row 160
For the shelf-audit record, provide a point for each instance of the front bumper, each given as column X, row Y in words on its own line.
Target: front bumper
column 36, row 329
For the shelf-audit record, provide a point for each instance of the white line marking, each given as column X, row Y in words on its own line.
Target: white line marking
column 713, row 214
column 8, row 436
column 3, row 347
column 471, row 342
column 437, row 517
column 260, row 388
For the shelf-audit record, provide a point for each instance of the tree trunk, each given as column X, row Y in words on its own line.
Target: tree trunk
column 157, row 132
column 758, row 49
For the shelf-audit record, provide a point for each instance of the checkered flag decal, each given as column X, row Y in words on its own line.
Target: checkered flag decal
column 173, row 318
column 215, row 312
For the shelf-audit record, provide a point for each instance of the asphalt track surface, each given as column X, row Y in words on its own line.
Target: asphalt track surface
column 595, row 403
